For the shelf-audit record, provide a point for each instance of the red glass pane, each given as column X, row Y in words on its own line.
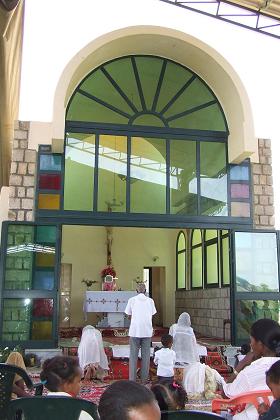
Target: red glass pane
column 50, row 182
column 239, row 190
column 42, row 308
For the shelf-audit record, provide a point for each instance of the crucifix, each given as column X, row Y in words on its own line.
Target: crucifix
column 109, row 241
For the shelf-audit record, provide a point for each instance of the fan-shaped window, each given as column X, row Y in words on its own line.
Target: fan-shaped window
column 196, row 259
column 181, row 261
column 145, row 90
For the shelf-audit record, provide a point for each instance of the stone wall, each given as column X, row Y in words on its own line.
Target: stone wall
column 22, row 176
column 263, row 199
column 208, row 309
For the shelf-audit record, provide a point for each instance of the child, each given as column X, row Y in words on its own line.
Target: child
column 128, row 400
column 273, row 382
column 62, row 376
column 165, row 359
column 170, row 397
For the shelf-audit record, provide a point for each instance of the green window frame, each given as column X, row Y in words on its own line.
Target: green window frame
column 181, row 261
column 211, row 257
column 225, row 268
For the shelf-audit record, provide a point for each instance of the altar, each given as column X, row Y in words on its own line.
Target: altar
column 113, row 303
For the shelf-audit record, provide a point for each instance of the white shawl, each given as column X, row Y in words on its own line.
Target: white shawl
column 184, row 341
column 91, row 348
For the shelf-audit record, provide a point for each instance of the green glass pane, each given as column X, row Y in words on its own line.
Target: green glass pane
column 181, row 270
column 249, row 311
column 197, row 267
column 225, row 255
column 122, row 72
column 212, row 264
column 46, row 234
column 85, row 109
column 209, row 118
column 16, row 319
column 148, row 175
column 181, row 242
column 79, row 172
column 196, row 238
column 197, row 93
column 98, row 85
column 174, row 79
column 213, row 179
column 112, row 172
column 183, row 181
column 149, row 119
column 256, row 262
column 210, row 234
column 149, row 72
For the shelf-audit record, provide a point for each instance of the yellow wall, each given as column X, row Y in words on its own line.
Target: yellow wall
column 132, row 249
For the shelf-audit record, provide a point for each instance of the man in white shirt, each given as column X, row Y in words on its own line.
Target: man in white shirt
column 141, row 309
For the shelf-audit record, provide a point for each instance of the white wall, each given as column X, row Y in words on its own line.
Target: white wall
column 132, row 249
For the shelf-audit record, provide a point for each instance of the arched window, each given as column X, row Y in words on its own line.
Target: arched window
column 211, row 254
column 145, row 135
column 196, row 259
column 181, row 261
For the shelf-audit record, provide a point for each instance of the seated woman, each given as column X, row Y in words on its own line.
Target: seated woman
column 92, row 357
column 265, row 344
column 16, row 359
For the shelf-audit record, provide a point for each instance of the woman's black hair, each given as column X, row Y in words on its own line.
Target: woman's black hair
column 121, row 397
column 170, row 396
column 268, row 332
column 57, row 370
column 273, row 373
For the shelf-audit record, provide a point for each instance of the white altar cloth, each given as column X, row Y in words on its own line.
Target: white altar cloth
column 107, row 301
column 123, row 351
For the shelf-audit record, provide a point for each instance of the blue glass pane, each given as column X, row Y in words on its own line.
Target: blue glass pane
column 239, row 173
column 43, row 280
column 50, row 163
column 46, row 234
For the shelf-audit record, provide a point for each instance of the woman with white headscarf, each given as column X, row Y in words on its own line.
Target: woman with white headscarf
column 92, row 357
column 198, row 379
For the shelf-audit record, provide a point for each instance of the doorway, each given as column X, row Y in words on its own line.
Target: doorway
column 155, row 279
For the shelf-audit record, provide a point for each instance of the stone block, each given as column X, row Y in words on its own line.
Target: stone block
column 31, row 168
column 263, row 200
column 269, row 160
column 14, row 203
column 267, row 169
column 21, row 192
column 24, row 125
column 271, row 199
column 267, row 143
column 12, row 191
column 268, row 190
column 256, row 199
column 272, row 221
column 269, row 180
column 13, row 168
column 21, row 134
column 258, row 189
column 264, row 220
column 22, row 168
column 15, row 180
column 28, row 181
column 263, row 159
column 15, row 144
column 17, row 155
column 256, row 179
column 267, row 152
column 256, row 220
column 261, row 142
column 269, row 210
column 262, row 179
column 23, row 144
column 259, row 210
column 20, row 215
column 27, row 203
column 30, row 156
column 12, row 215
column 257, row 169
column 16, row 125
column 30, row 192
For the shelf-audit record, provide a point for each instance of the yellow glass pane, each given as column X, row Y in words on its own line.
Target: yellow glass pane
column 181, row 242
column 45, row 260
column 210, row 234
column 41, row 330
column 49, row 201
column 196, row 239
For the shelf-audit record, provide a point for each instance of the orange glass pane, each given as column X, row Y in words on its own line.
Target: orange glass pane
column 45, row 260
column 239, row 209
column 49, row 201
